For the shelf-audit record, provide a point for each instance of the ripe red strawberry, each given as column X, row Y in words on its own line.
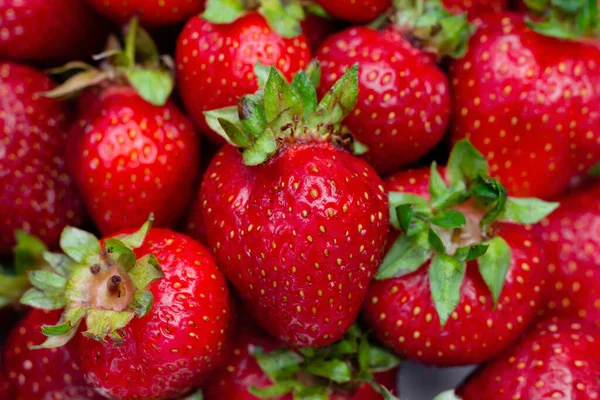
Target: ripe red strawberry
column 48, row 31
column 250, row 369
column 453, row 309
column 46, row 373
column 37, row 194
column 6, row 391
column 215, row 61
column 476, row 6
column 151, row 12
column 528, row 102
column 297, row 224
column 558, row 359
column 571, row 237
column 183, row 317
column 355, row 11
column 403, row 104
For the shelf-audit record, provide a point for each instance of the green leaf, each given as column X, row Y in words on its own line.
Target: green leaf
column 28, row 252
column 252, row 116
column 153, row 85
column 61, row 263
column 197, row 395
column 238, row 137
column 262, row 74
column 228, row 113
column 77, row 83
column 449, row 219
column 335, row 370
column 357, row 148
column 277, row 390
column 494, row 264
column 145, row 49
column 316, row 392
column 314, row 8
column 127, row 59
column 437, row 186
column 58, row 340
column 103, row 323
column 466, row 163
column 397, row 199
column 12, row 287
column 526, row 210
column 282, row 20
column 145, row 271
column 223, row 11
column 445, row 279
column 455, row 195
column 305, row 88
column 283, row 106
column 38, row 299
column 433, row 237
column 470, row 253
column 48, row 282
column 278, row 364
column 313, row 71
column 80, row 245
column 405, row 212
column 142, row 303
column 56, row 330
column 136, row 239
column 381, row 360
column 447, row 395
column 260, row 150
column 407, row 254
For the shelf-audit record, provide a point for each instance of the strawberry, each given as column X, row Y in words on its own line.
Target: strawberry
column 165, row 279
column 557, row 359
column 476, row 6
column 131, row 151
column 403, row 104
column 37, row 194
column 48, row 31
column 216, row 55
column 355, row 11
column 261, row 367
column 42, row 374
column 297, row 224
column 464, row 279
column 6, row 391
column 151, row 12
column 317, row 29
column 571, row 237
column 527, row 101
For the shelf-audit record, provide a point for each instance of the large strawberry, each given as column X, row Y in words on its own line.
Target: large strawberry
column 557, row 359
column 216, row 54
column 571, row 237
column 403, row 106
column 48, row 31
column 183, row 317
column 528, row 102
column 297, row 224
column 476, row 6
column 355, row 11
column 464, row 279
column 151, row 12
column 42, row 374
column 37, row 194
column 261, row 367
column 131, row 151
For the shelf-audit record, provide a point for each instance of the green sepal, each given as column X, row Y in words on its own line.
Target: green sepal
column 435, row 241
column 283, row 18
column 55, row 338
column 314, row 8
column 447, row 395
column 357, row 148
column 12, row 287
column 466, row 163
column 252, row 117
column 470, row 253
column 60, row 263
column 335, row 370
column 564, row 19
column 305, row 88
column 260, row 151
column 312, row 393
column 283, row 105
column 197, row 395
column 223, row 11
column 153, row 85
column 404, row 213
column 38, row 299
column 81, row 246
column 213, row 120
column 28, row 252
column 77, row 83
column 494, row 265
column 406, row 255
column 103, row 323
column 275, row 390
column 490, row 194
column 278, row 364
column 594, row 171
column 448, row 219
column 145, row 271
column 48, row 282
column 142, row 303
column 418, row 203
column 526, row 210
column 445, row 279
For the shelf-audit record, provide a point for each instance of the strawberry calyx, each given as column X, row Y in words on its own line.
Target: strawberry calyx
column 281, row 112
column 103, row 284
column 429, row 25
column 457, row 225
column 137, row 62
column 316, row 373
column 447, row 395
column 564, row 19
column 284, row 17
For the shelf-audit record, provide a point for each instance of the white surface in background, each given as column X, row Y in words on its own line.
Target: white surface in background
column 418, row 382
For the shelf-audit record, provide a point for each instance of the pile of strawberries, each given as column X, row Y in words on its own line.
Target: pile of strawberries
column 269, row 199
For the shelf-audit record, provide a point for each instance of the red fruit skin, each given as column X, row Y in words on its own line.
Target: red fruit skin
column 476, row 6
column 37, row 194
column 526, row 106
column 299, row 236
column 317, row 29
column 130, row 158
column 151, row 13
column 571, row 238
column 6, row 391
column 401, row 312
column 49, row 31
column 243, row 372
column 215, row 63
column 180, row 341
column 42, row 374
column 557, row 359
column 403, row 105
column 355, row 11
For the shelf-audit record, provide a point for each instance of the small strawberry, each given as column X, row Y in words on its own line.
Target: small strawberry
column 557, row 359
column 297, row 224
column 49, row 31
column 403, row 106
column 42, row 374
column 465, row 279
column 474, row 7
column 151, row 12
column 261, row 367
column 132, row 152
column 571, row 237
column 37, row 194
column 216, row 54
column 529, row 102
column 183, row 317
column 355, row 11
